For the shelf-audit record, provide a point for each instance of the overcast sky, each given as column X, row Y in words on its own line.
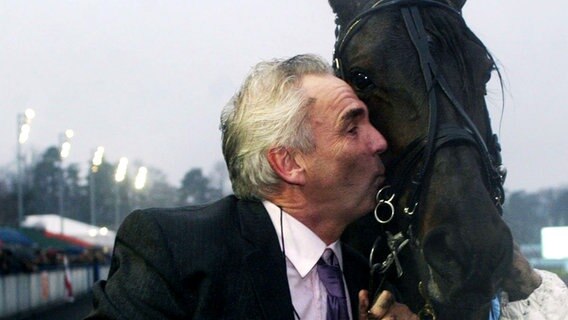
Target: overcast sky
column 148, row 79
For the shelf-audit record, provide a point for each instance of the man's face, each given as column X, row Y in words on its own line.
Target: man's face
column 344, row 171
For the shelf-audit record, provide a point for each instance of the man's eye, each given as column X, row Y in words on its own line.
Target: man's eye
column 361, row 81
column 353, row 130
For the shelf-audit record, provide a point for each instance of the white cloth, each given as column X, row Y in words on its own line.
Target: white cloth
column 548, row 302
column 303, row 250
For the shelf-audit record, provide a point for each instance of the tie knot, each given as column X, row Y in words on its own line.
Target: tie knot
column 329, row 258
column 330, row 274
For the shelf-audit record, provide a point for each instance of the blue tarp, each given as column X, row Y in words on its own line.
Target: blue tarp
column 13, row 236
column 40, row 238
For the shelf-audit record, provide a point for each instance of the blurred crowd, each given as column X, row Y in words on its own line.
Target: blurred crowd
column 20, row 259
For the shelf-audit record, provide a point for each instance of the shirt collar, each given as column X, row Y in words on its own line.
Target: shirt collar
column 302, row 246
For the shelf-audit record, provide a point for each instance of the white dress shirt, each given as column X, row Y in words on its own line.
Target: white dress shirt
column 303, row 249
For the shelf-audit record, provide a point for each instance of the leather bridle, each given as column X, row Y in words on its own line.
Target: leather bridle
column 421, row 151
column 411, row 167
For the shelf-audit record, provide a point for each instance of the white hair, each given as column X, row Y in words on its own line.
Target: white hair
column 269, row 111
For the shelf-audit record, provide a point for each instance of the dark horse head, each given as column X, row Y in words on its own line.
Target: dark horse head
column 441, row 243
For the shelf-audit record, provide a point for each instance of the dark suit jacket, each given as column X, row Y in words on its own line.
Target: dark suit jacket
column 219, row 261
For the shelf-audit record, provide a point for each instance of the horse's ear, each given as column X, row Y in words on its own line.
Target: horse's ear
column 458, row 4
column 345, row 10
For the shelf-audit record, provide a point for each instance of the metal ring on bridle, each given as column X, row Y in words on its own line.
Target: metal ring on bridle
column 387, row 202
column 409, row 211
column 378, row 196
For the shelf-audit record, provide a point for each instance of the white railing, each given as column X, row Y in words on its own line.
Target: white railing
column 28, row 291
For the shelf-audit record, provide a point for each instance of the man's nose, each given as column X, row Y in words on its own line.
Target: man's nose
column 378, row 141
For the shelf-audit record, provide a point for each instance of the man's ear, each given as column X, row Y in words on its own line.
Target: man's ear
column 285, row 165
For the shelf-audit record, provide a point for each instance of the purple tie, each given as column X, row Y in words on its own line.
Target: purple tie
column 331, row 276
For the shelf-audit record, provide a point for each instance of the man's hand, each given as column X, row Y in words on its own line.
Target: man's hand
column 385, row 307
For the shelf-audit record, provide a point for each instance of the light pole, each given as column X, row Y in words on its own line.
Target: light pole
column 24, row 121
column 65, row 140
column 140, row 182
column 97, row 161
column 119, row 176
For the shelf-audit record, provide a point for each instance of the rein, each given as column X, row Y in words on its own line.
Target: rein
column 411, row 167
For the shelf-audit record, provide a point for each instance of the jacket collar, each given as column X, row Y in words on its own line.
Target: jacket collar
column 264, row 261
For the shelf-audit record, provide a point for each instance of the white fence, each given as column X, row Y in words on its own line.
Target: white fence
column 28, row 291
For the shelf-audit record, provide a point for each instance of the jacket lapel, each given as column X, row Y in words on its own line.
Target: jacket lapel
column 264, row 261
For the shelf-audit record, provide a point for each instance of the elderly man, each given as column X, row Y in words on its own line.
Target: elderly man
column 304, row 162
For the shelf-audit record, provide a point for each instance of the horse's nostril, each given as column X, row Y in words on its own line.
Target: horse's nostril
column 461, row 262
column 440, row 247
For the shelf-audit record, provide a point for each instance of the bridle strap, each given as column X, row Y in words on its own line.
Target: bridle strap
column 418, row 36
column 433, row 79
column 446, row 134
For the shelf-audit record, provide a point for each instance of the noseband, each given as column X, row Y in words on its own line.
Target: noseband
column 411, row 167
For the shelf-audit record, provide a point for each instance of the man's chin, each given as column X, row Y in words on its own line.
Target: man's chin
column 367, row 205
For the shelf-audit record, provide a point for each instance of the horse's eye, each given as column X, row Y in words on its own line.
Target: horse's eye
column 361, row 81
